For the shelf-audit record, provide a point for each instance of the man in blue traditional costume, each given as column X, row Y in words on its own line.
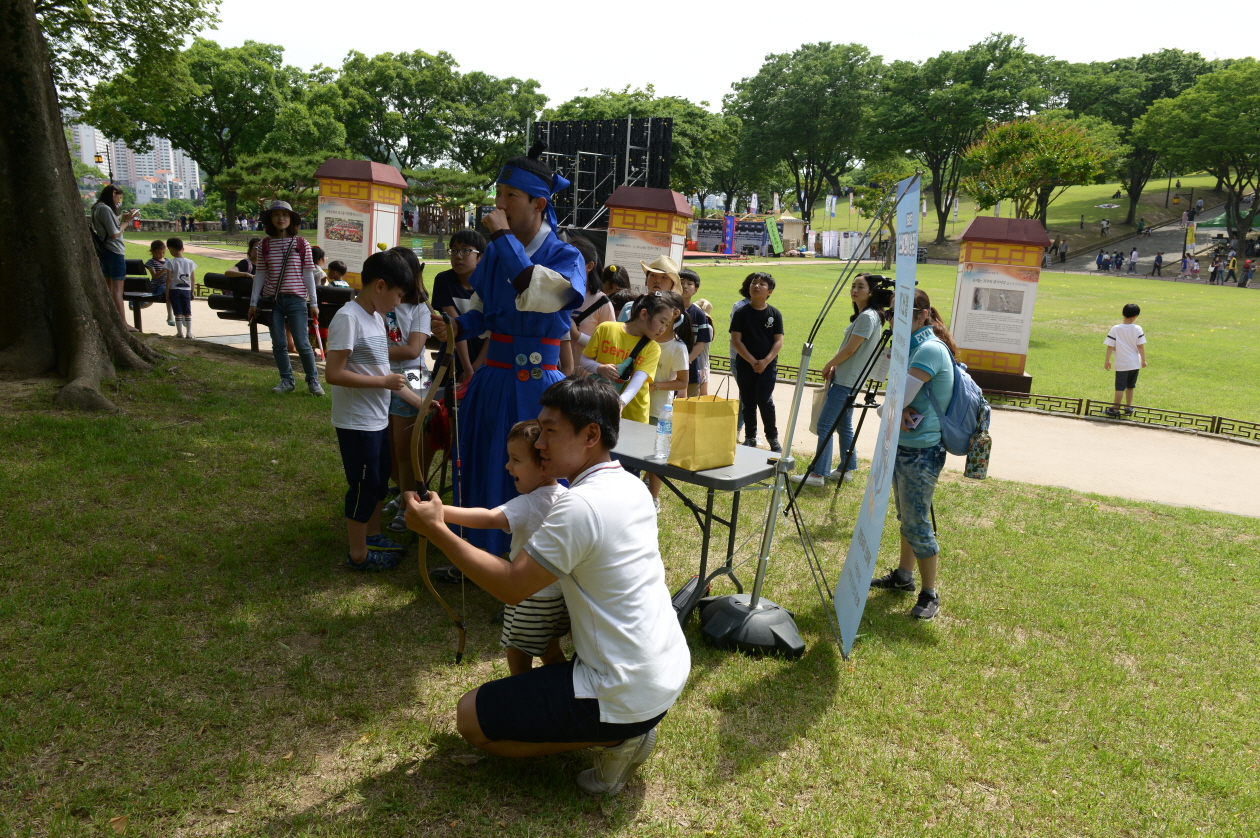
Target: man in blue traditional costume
column 527, row 282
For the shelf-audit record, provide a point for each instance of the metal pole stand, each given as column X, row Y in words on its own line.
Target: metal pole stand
column 749, row 622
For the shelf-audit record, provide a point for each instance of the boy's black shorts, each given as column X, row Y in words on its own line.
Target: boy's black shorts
column 367, row 459
column 1126, row 379
column 539, row 706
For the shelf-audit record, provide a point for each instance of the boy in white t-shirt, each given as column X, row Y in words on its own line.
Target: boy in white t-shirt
column 181, row 274
column 532, row 628
column 631, row 660
column 358, row 370
column 1127, row 342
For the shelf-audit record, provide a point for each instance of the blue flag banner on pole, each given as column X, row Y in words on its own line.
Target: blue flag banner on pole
column 728, row 235
column 859, row 563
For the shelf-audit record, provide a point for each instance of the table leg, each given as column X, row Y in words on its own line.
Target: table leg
column 704, row 536
column 730, row 543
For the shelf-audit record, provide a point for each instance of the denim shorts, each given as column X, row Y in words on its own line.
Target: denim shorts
column 398, row 407
column 114, row 266
column 914, row 481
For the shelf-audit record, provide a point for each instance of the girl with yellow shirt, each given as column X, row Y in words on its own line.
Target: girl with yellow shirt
column 611, row 347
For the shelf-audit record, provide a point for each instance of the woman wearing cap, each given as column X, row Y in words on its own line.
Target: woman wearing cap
column 660, row 275
column 286, row 271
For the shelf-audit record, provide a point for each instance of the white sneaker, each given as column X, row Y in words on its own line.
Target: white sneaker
column 314, row 389
column 615, row 765
column 810, row 479
column 849, row 476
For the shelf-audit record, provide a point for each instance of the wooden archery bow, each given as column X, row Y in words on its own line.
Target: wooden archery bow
column 440, row 368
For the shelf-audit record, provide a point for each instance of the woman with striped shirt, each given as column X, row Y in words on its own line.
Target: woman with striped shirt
column 286, row 270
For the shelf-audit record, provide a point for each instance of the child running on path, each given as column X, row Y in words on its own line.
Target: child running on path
column 1128, row 343
column 358, row 370
column 533, row 627
column 757, row 338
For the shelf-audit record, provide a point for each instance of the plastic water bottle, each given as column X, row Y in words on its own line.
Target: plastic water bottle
column 664, row 430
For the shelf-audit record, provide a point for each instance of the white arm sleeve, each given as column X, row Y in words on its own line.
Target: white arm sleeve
column 632, row 386
column 260, row 276
column 588, row 363
column 912, row 387
column 309, row 277
column 548, row 291
column 583, row 338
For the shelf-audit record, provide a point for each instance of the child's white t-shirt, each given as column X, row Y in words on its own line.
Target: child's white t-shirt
column 600, row 542
column 179, row 272
column 525, row 514
column 360, row 408
column 405, row 320
column 673, row 359
column 1125, row 339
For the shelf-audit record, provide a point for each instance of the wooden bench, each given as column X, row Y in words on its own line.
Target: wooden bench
column 138, row 290
column 232, row 303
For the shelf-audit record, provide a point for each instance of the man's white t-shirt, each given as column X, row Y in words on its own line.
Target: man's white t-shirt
column 1125, row 339
column 525, row 514
column 360, row 408
column 400, row 324
column 600, row 541
column 673, row 359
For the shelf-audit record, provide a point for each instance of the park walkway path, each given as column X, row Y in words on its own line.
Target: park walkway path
column 1106, row 457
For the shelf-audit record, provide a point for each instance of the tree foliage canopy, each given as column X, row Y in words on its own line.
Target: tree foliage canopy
column 1027, row 160
column 810, row 109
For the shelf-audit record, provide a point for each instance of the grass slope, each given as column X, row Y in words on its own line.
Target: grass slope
column 182, row 647
column 1203, row 340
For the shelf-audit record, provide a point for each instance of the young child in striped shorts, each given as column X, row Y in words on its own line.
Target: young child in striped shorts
column 532, row 628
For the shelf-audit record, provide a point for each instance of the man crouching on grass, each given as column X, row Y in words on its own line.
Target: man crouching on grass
column 599, row 540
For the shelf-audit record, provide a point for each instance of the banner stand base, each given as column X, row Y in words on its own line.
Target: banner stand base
column 728, row 622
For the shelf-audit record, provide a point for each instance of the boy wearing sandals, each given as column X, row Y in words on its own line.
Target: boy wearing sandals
column 1127, row 342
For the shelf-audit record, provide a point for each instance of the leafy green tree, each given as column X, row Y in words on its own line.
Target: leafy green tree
column 89, row 40
column 487, row 121
column 1212, row 126
column 397, row 107
column 1120, row 92
column 180, row 206
column 446, row 188
column 156, row 210
column 809, row 109
column 695, row 128
column 1032, row 161
column 219, row 105
column 268, row 176
column 937, row 108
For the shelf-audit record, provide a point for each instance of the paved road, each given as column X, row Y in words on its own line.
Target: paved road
column 1107, row 457
column 1168, row 239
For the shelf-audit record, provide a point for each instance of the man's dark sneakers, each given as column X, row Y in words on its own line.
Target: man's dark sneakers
column 927, row 607
column 775, row 447
column 895, row 580
column 751, row 442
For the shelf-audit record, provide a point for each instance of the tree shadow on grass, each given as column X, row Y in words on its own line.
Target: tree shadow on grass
column 452, row 791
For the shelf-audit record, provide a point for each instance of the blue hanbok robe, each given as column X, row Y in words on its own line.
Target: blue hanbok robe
column 522, row 360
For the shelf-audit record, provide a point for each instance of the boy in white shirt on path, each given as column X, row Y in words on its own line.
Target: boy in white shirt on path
column 533, row 628
column 631, row 660
column 181, row 273
column 1127, row 342
column 358, row 369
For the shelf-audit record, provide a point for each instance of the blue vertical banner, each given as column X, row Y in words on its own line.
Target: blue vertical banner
column 728, row 235
column 859, row 563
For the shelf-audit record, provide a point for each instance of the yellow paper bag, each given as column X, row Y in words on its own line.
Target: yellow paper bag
column 704, row 433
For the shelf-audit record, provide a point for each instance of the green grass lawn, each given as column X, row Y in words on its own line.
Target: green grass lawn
column 182, row 647
column 1204, row 341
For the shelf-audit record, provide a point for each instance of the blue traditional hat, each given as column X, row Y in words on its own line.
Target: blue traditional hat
column 531, row 176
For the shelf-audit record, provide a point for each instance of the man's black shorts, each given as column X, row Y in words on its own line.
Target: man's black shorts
column 1126, row 379
column 539, row 706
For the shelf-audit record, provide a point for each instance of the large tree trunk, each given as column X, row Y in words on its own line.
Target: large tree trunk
column 57, row 313
column 229, row 200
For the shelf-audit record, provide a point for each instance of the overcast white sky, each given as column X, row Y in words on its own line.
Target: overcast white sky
column 696, row 50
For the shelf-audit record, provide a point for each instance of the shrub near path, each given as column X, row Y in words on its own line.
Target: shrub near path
column 182, row 648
